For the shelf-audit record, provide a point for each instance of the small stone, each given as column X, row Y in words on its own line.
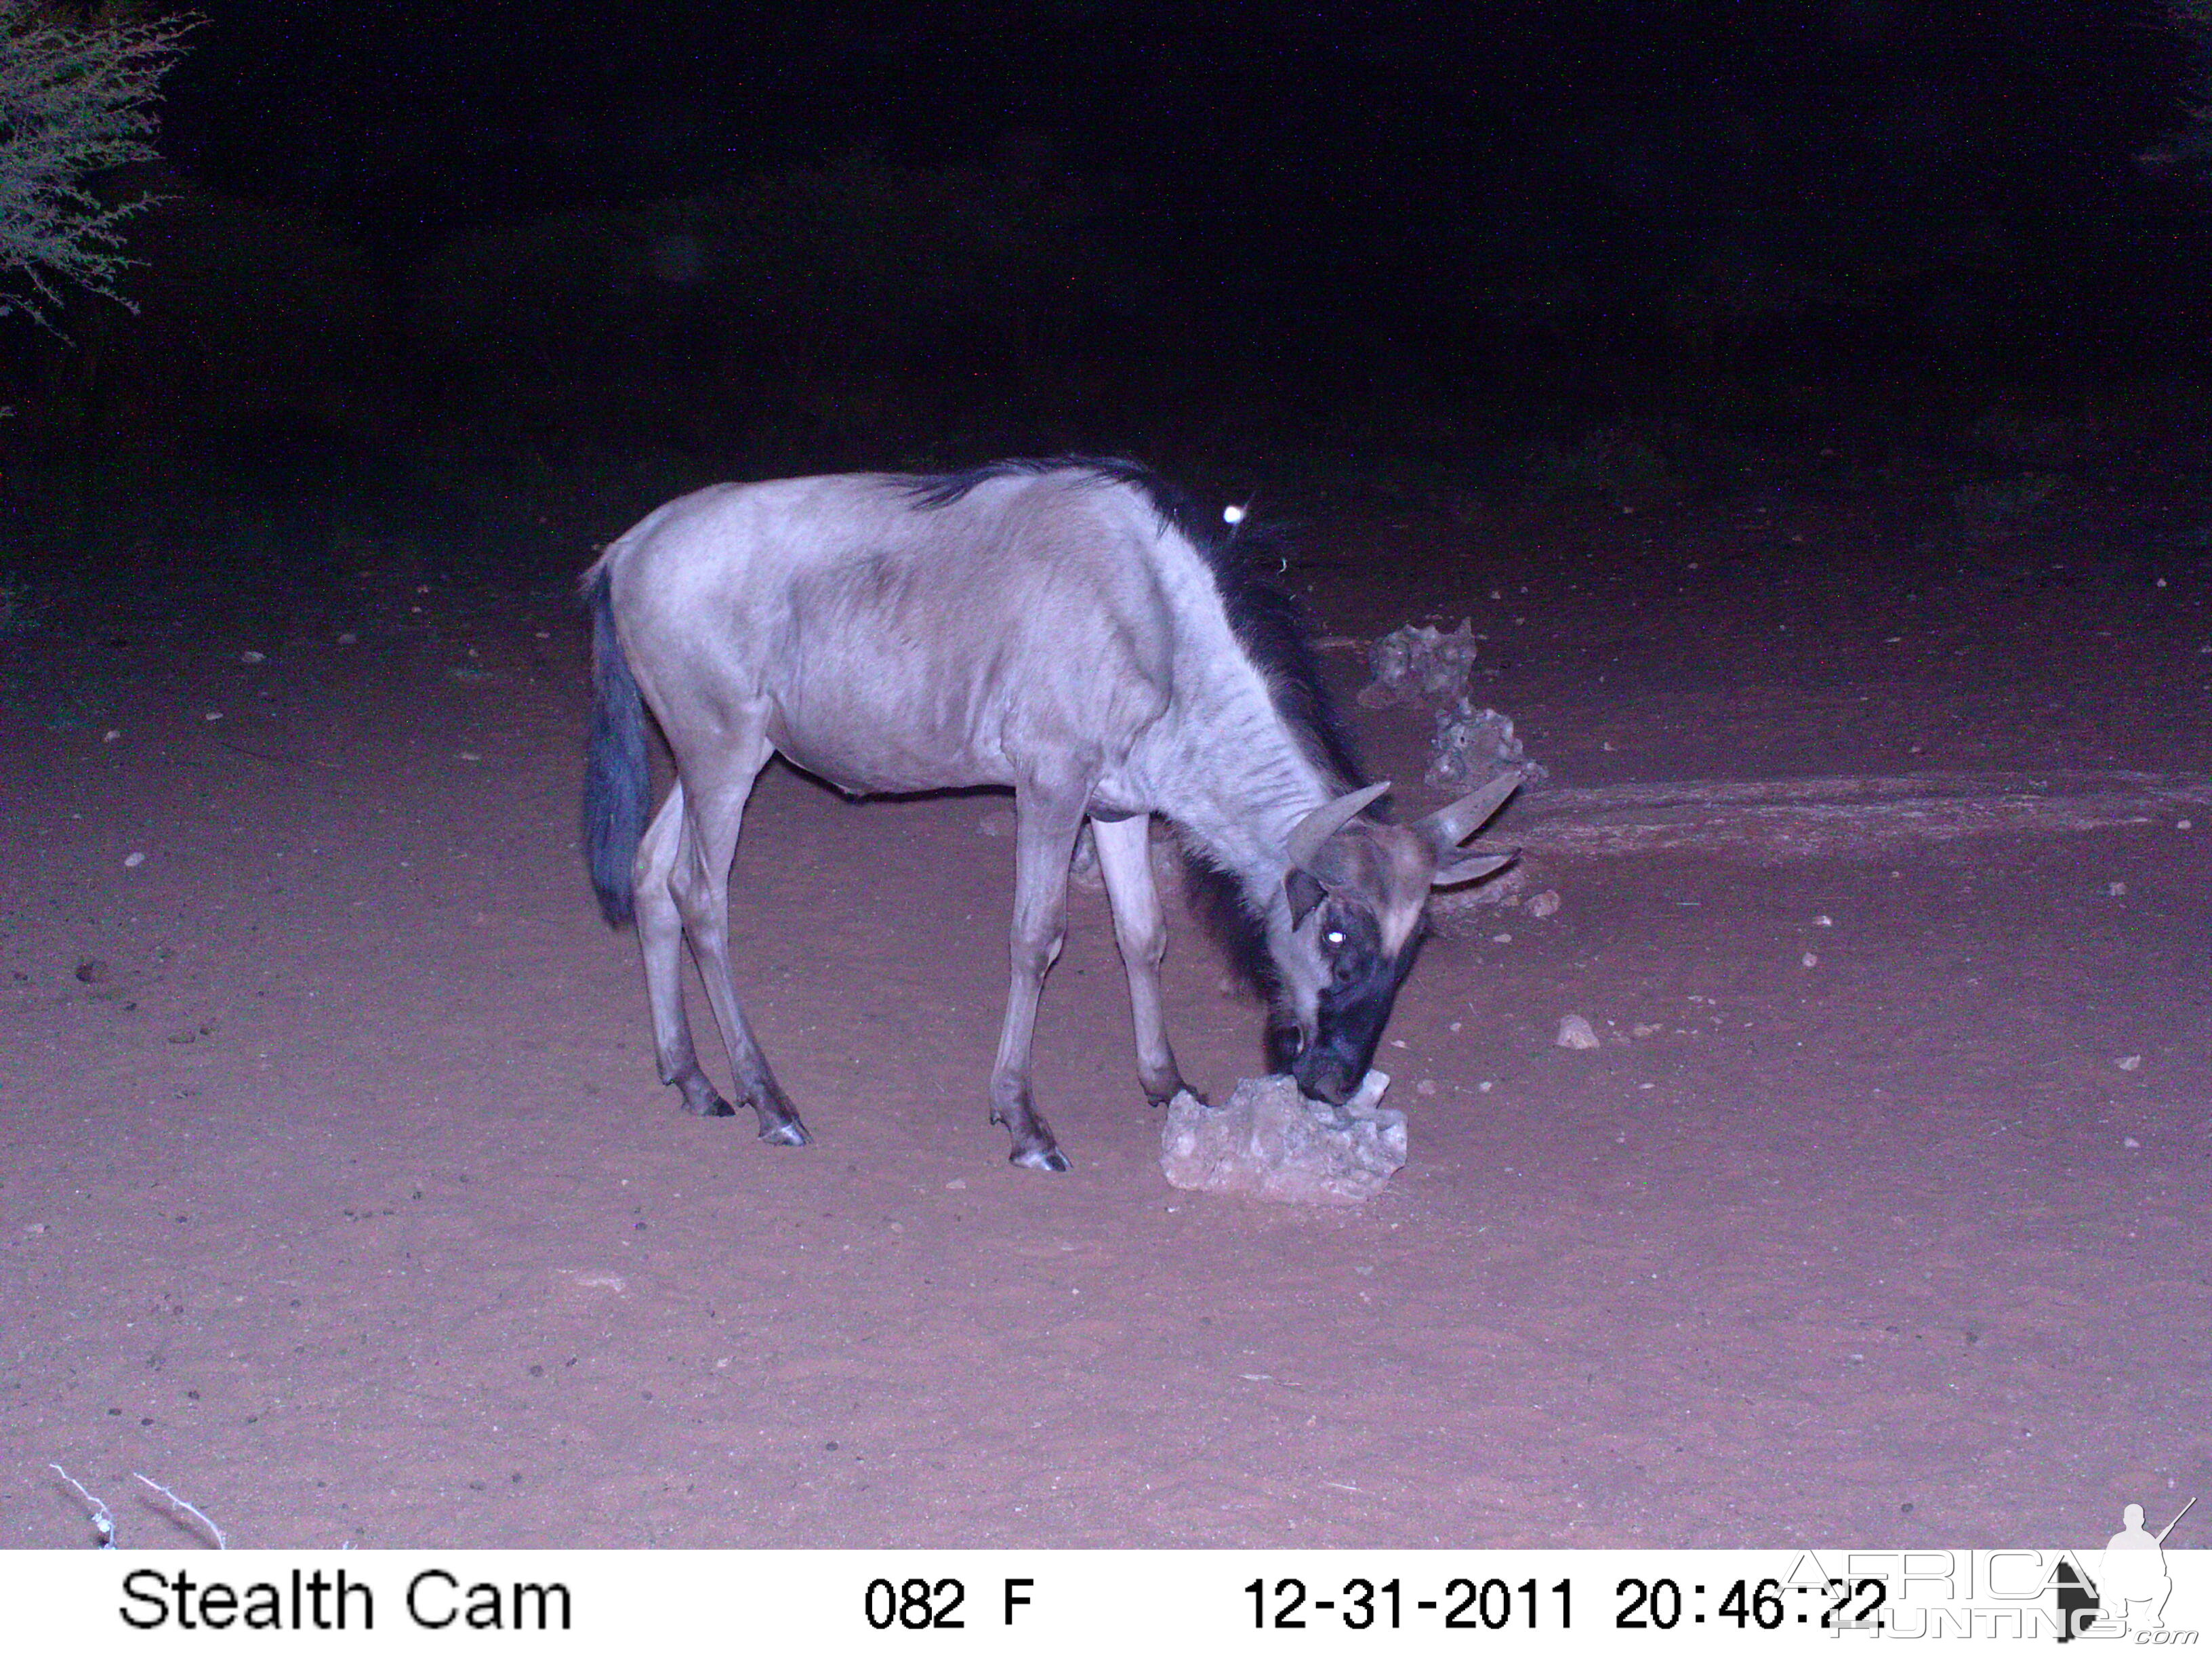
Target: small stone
column 91, row 971
column 251, row 656
column 1574, row 1032
column 1645, row 1030
column 1810, row 960
column 1368, row 1095
column 346, row 639
column 111, row 736
column 134, row 861
column 1545, row 903
column 1268, row 1141
column 2115, row 890
column 1427, row 1086
column 1501, row 939
column 2129, row 1141
column 2185, row 825
column 1823, row 922
column 214, row 713
column 956, row 1185
column 2132, row 1063
column 1484, row 1087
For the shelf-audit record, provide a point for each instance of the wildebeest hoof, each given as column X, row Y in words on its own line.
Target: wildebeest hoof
column 711, row 1105
column 789, row 1134
column 1180, row 1092
column 1051, row 1159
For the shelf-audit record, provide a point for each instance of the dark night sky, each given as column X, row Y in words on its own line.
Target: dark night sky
column 405, row 118
column 983, row 216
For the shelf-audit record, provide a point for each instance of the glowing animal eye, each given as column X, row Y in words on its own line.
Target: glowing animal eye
column 1333, row 936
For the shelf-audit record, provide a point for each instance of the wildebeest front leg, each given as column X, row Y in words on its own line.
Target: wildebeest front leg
column 715, row 787
column 1044, row 843
column 1125, row 859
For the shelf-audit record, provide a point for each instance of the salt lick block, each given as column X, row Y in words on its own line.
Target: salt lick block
column 1269, row 1141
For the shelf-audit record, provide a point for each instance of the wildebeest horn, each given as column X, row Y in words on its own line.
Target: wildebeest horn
column 1325, row 820
column 1448, row 826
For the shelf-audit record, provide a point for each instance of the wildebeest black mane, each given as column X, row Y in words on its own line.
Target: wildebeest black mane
column 1269, row 623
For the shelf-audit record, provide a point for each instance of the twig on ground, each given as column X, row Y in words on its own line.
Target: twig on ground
column 103, row 1521
column 190, row 1508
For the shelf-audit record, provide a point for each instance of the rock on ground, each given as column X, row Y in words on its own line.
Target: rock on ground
column 1269, row 1141
column 1419, row 661
column 1472, row 745
column 1577, row 1032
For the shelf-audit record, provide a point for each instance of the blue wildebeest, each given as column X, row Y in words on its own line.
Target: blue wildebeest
column 1071, row 629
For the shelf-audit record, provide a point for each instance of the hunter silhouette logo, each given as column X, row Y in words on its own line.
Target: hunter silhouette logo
column 2131, row 1585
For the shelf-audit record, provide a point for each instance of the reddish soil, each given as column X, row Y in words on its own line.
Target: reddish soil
column 336, row 1191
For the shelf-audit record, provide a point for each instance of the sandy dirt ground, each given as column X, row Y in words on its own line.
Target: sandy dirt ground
column 336, row 1191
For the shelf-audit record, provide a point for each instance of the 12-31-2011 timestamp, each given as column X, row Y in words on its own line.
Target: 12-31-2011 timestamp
column 1367, row 1604
column 1498, row 1604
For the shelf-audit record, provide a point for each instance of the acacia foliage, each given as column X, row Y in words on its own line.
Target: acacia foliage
column 77, row 94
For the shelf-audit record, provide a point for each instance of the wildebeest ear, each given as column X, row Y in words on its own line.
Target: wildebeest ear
column 1304, row 891
column 1470, row 863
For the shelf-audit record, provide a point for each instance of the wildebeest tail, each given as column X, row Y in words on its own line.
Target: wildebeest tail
column 617, row 786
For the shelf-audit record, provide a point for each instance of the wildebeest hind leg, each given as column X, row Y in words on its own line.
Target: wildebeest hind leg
column 660, row 937
column 715, row 787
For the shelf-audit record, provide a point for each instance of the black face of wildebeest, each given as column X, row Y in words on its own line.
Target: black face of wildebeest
column 1351, row 1008
column 1356, row 899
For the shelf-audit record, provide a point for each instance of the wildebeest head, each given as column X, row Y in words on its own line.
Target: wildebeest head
column 1356, row 895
